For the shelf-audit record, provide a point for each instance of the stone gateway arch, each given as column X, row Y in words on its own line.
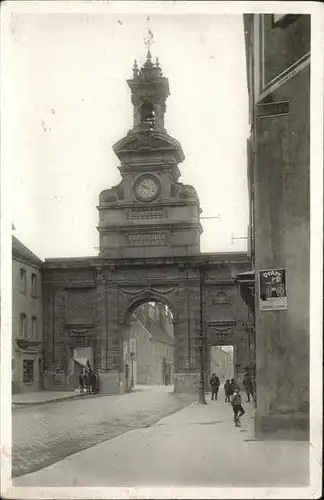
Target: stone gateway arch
column 149, row 230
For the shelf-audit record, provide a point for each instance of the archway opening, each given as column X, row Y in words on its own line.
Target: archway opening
column 148, row 349
column 148, row 114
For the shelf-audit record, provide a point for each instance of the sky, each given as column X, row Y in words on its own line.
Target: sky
column 70, row 103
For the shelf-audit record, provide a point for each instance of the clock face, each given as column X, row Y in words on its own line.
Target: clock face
column 147, row 188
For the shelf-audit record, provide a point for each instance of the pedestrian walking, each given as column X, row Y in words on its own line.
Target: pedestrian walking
column 248, row 386
column 237, row 407
column 97, row 383
column 81, row 382
column 166, row 379
column 227, row 389
column 231, row 388
column 87, row 381
column 214, row 383
column 93, row 382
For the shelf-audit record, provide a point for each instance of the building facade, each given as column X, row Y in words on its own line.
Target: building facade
column 27, row 312
column 278, row 68
column 222, row 363
column 156, row 319
column 152, row 343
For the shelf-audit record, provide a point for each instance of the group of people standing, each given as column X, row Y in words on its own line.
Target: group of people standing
column 232, row 394
column 229, row 389
column 89, row 381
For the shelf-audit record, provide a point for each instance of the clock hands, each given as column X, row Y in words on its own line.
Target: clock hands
column 147, row 188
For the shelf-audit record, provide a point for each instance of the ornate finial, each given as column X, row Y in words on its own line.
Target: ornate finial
column 148, row 41
column 157, row 62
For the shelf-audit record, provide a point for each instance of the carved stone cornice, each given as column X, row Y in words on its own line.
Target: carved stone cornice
column 171, row 202
column 79, row 324
column 212, row 260
column 79, row 330
column 104, row 227
column 222, row 326
column 80, row 285
column 147, row 290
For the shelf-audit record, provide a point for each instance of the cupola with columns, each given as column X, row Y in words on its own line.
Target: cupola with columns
column 150, row 90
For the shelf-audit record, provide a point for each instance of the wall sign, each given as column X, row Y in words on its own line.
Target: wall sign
column 273, row 290
column 145, row 213
column 148, row 239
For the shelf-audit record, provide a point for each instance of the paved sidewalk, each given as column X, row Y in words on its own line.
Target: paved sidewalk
column 42, row 397
column 197, row 446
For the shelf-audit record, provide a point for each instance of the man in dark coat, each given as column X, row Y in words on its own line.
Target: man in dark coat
column 227, row 389
column 214, row 383
column 93, row 382
column 248, row 386
column 231, row 388
column 81, row 382
column 97, row 382
column 87, row 380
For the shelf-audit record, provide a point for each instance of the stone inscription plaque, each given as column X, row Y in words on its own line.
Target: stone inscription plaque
column 145, row 213
column 148, row 239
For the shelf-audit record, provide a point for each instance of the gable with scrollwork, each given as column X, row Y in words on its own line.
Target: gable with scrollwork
column 153, row 140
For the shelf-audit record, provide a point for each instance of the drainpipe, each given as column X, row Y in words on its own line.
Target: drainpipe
column 201, row 341
column 106, row 317
column 53, row 321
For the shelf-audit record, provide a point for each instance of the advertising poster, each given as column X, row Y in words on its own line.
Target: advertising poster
column 273, row 290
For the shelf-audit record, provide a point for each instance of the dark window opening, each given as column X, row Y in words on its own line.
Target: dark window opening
column 116, row 360
column 28, row 370
column 23, row 325
column 148, row 114
column 23, row 282
column 34, row 328
column 34, row 285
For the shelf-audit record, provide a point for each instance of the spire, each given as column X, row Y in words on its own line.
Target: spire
column 149, row 70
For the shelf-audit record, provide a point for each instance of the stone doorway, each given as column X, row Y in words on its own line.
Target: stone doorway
column 82, row 357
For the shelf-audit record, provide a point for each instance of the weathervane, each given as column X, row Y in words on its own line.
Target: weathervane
column 148, row 41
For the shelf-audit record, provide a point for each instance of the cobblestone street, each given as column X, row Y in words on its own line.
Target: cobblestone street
column 197, row 446
column 45, row 434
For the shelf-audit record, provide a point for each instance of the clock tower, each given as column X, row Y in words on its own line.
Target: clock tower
column 149, row 213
